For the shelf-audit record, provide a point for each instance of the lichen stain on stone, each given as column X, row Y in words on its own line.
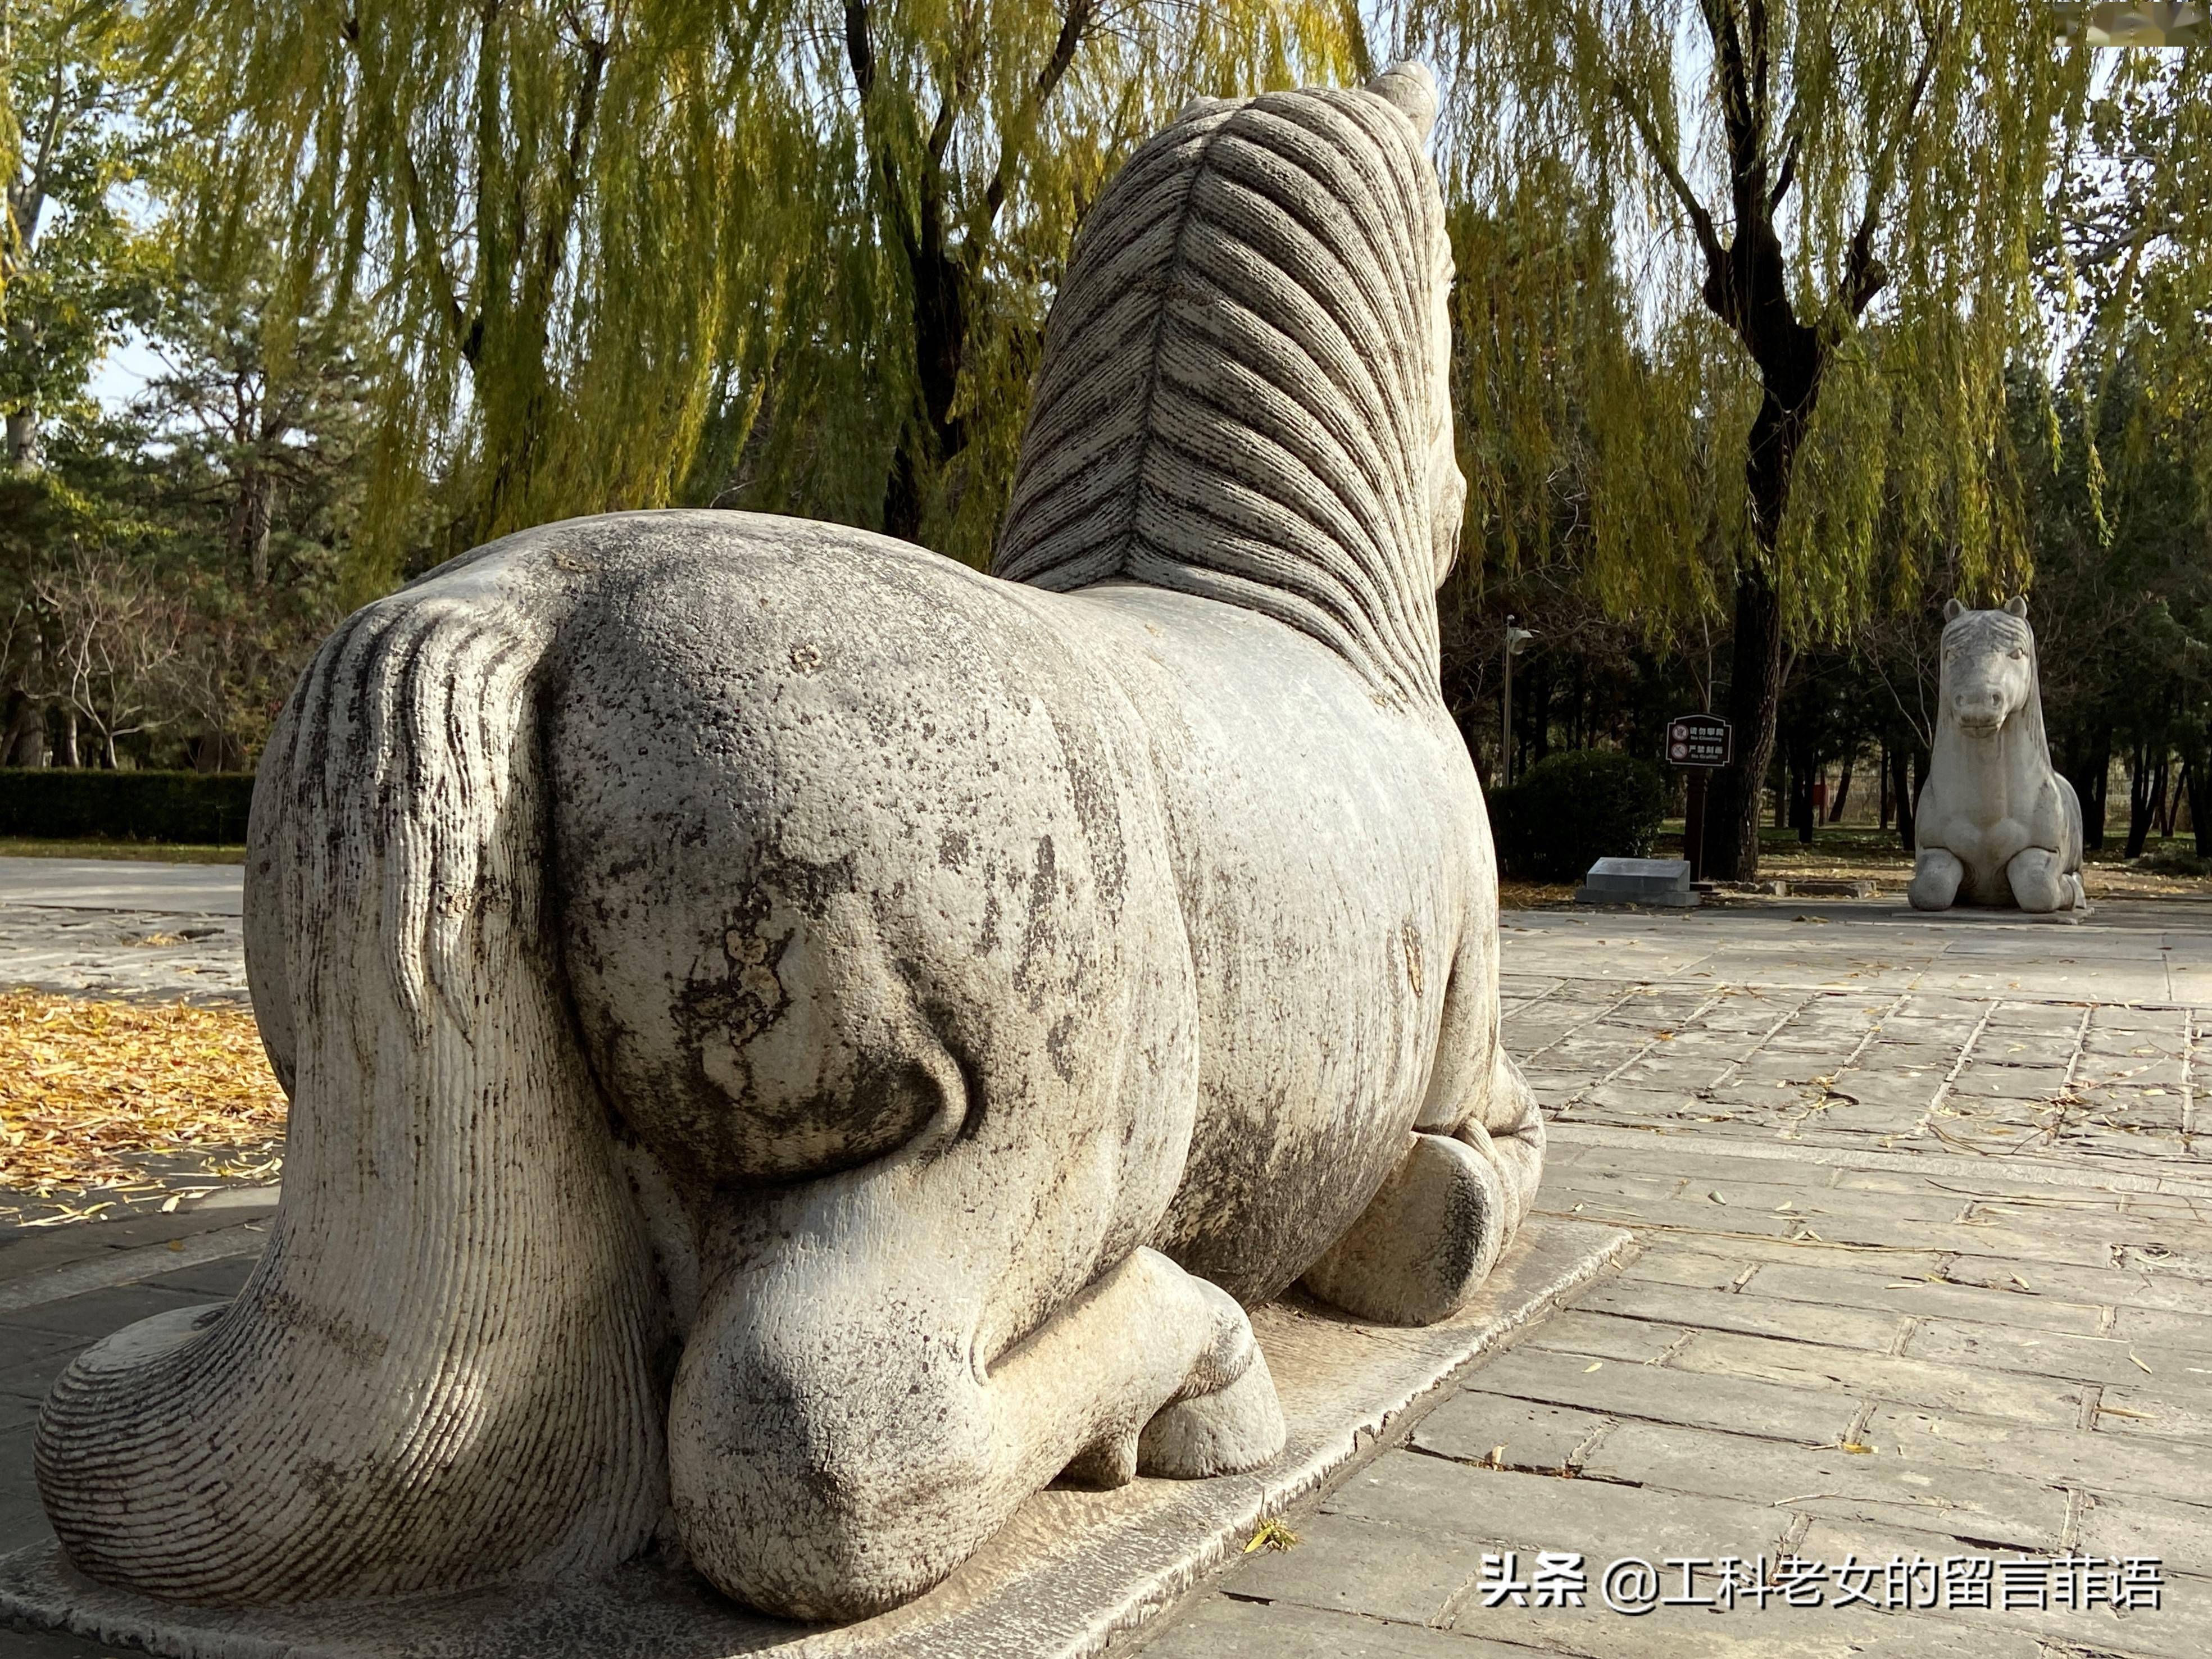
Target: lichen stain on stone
column 356, row 1342
column 1037, row 929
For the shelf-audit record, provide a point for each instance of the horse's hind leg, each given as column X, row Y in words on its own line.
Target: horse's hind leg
column 839, row 1442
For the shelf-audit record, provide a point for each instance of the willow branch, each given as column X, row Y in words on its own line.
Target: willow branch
column 1701, row 221
column 1074, row 24
column 1864, row 276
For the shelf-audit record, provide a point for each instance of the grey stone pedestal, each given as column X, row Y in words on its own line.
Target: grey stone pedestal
column 1638, row 881
column 1075, row 1569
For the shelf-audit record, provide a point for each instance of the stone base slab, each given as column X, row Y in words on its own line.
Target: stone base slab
column 1071, row 1572
column 1993, row 914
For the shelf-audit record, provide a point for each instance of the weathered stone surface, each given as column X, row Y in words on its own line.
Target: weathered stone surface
column 992, row 993
column 1073, row 1569
column 1997, row 824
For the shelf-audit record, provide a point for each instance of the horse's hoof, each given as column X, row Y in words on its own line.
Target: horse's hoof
column 1108, row 1462
column 1238, row 1428
column 1425, row 1240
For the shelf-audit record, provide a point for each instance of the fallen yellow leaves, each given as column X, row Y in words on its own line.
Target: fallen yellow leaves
column 85, row 1083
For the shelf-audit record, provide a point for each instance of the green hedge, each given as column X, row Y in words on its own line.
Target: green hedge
column 203, row 808
column 1577, row 807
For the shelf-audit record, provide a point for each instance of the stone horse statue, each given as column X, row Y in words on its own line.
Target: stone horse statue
column 796, row 1044
column 1996, row 824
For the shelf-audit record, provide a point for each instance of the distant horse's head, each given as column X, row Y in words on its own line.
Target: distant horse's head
column 1245, row 389
column 1988, row 668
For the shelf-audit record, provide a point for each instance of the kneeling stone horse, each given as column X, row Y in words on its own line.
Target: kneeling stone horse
column 1996, row 823
column 794, row 1044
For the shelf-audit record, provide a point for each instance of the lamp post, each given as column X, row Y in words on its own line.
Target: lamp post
column 1515, row 639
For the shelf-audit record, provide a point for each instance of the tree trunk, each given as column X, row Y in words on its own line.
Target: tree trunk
column 249, row 522
column 1843, row 788
column 65, row 752
column 26, row 455
column 2142, row 805
column 22, row 712
column 1900, row 788
column 2200, row 803
column 1754, row 701
column 1881, row 787
column 2091, row 768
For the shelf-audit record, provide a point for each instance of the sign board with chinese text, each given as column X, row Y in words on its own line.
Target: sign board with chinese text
column 1699, row 740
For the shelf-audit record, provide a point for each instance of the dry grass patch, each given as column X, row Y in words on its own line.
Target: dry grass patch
column 84, row 1084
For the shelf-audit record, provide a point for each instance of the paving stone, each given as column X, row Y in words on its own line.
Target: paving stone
column 1344, row 1564
column 1873, row 1487
column 1533, row 1512
column 2049, row 1353
column 219, row 1280
column 99, row 1312
column 1881, row 1377
column 2190, row 1334
column 1804, row 1252
column 1220, row 1627
column 2155, row 1412
column 1932, row 1297
column 1690, row 1268
column 1751, row 1313
column 2180, row 1629
column 2116, row 1524
column 1838, row 1203
column 2070, row 1457
column 30, row 1379
column 1778, row 1633
column 1602, row 1336
column 1470, row 1428
column 1695, row 1212
column 1984, row 1238
column 1656, row 1156
column 1905, row 1094
column 1739, row 1405
column 2141, row 1286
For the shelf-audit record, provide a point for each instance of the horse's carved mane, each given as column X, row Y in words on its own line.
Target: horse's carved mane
column 1238, row 394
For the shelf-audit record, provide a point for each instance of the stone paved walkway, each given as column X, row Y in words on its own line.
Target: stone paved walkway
column 116, row 928
column 1925, row 1268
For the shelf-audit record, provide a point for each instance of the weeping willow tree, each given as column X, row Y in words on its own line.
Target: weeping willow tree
column 1750, row 272
column 788, row 253
column 2132, row 271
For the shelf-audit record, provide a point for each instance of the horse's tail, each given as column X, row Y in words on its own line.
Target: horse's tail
column 443, row 1369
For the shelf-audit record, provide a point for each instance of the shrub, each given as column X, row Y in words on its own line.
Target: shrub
column 1575, row 808
column 205, row 809
column 2172, row 859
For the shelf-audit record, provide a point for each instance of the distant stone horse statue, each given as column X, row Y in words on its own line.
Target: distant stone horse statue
column 1997, row 824
column 794, row 1044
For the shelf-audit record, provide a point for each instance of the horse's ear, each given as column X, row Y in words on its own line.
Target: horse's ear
column 1953, row 611
column 1410, row 90
column 2017, row 607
